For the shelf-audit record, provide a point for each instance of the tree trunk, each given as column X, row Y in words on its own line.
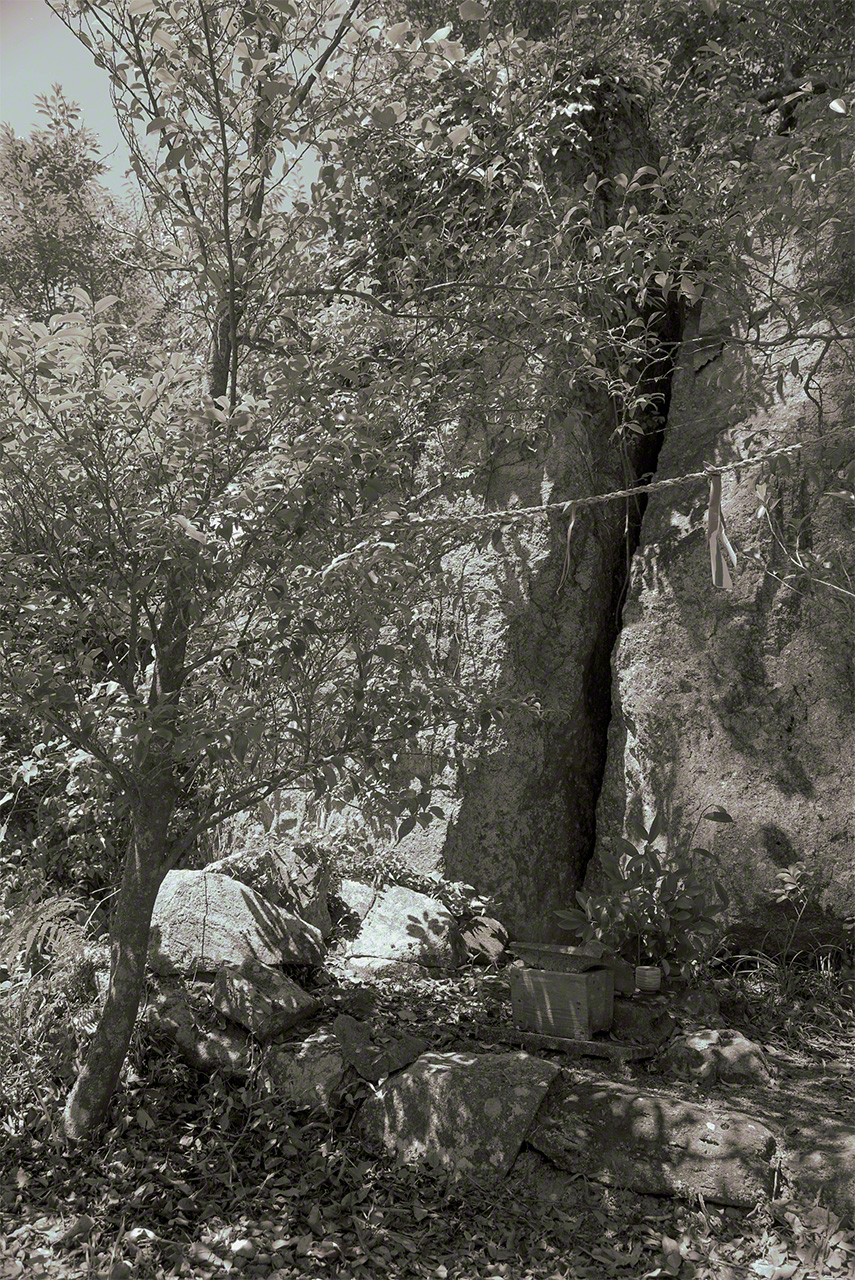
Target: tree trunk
column 146, row 864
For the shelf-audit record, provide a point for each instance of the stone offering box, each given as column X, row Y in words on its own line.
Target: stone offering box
column 561, row 1003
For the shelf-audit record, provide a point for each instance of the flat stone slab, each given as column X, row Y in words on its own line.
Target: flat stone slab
column 655, row 1145
column 468, row 1113
column 583, row 1048
column 202, row 922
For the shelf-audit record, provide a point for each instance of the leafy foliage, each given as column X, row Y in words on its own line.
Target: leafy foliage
column 58, row 226
column 655, row 907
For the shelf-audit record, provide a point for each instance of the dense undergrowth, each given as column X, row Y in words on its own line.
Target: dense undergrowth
column 202, row 1177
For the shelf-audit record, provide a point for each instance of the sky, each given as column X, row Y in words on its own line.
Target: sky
column 36, row 52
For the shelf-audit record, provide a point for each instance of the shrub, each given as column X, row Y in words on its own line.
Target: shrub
column 656, row 908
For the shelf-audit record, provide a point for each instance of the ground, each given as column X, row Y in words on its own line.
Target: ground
column 197, row 1177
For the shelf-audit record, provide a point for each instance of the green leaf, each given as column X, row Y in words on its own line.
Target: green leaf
column 637, row 830
column 722, row 893
column 655, row 827
column 471, row 11
column 104, row 303
column 406, row 827
column 717, row 815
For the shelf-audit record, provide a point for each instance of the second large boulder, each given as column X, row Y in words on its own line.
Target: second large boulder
column 403, row 926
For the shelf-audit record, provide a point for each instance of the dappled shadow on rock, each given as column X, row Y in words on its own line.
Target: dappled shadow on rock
column 468, row 1113
column 653, row 1144
column 202, row 921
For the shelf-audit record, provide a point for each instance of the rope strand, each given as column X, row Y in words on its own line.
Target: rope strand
column 512, row 514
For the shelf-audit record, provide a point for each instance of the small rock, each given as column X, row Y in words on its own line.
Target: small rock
column 374, row 1062
column 712, row 1055
column 485, row 939
column 315, row 1075
column 261, row 999
column 181, row 1016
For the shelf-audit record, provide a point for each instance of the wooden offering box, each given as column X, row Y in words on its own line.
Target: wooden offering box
column 558, row 959
column 571, row 1006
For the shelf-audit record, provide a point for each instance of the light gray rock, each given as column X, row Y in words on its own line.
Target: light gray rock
column 468, row 1113
column 184, row 1018
column 202, row 922
column 404, row 926
column 261, row 999
column 294, row 877
column 313, row 1074
column 712, row 1055
column 655, row 1145
column 358, row 898
column 743, row 698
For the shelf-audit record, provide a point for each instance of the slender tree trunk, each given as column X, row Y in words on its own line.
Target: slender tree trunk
column 145, row 866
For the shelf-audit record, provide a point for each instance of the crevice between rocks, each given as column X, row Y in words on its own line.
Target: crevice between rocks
column 643, row 464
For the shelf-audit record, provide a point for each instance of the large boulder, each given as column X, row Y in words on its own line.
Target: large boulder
column 294, row 877
column 655, row 1145
column 202, row 922
column 468, row 1113
column 261, row 999
column 485, row 940
column 403, row 926
column 743, row 698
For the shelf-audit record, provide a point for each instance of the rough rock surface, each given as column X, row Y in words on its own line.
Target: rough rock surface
column 356, row 899
column 724, row 1055
column 181, row 1016
column 294, row 877
column 653, row 1145
column 640, row 1021
column 404, row 926
column 312, row 1074
column 374, row 1054
column 744, row 697
column 485, row 939
column 468, row 1112
column 202, row 922
column 261, row 999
